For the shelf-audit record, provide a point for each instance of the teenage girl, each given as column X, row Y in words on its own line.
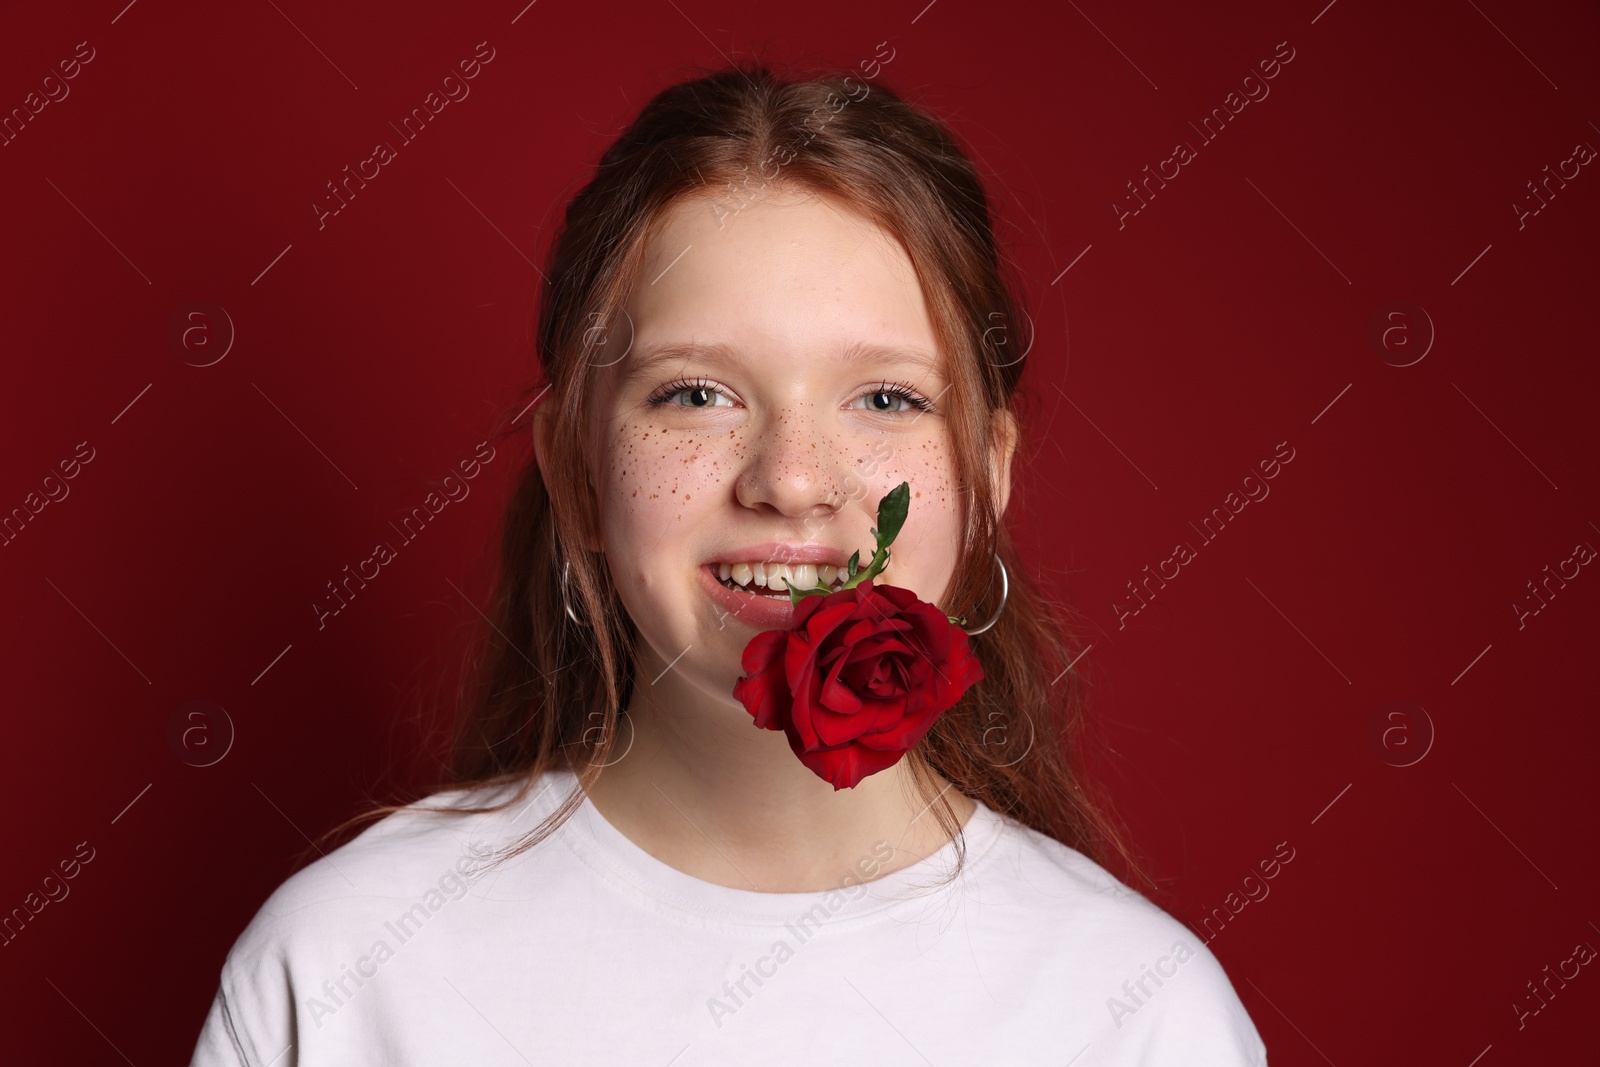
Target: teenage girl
column 774, row 302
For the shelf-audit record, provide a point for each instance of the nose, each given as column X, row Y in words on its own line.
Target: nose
column 792, row 468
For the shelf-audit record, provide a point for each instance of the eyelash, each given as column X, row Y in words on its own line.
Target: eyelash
column 903, row 390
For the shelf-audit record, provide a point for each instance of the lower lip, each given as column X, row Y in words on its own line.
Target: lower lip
column 755, row 610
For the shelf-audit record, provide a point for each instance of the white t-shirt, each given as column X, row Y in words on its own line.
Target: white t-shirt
column 398, row 948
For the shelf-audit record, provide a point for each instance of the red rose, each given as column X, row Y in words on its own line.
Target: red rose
column 858, row 680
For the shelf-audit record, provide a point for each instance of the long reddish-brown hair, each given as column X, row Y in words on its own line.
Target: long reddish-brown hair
column 544, row 692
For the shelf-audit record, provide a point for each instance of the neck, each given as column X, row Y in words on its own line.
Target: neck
column 700, row 788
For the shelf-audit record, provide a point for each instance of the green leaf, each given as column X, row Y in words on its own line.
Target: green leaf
column 796, row 594
column 892, row 513
column 855, row 563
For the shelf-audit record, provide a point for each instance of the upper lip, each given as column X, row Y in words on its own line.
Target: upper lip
column 784, row 552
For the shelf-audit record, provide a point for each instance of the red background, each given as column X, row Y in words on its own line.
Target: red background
column 1232, row 313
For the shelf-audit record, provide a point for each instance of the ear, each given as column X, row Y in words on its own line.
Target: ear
column 543, row 433
column 1006, row 436
column 541, row 440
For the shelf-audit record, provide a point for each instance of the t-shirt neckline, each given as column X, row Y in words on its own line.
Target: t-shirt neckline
column 657, row 884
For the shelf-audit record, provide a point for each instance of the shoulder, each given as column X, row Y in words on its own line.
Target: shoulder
column 1148, row 981
column 1075, row 894
column 321, row 918
column 391, row 856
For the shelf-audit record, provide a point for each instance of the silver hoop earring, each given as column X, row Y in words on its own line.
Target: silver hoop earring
column 564, row 602
column 1005, row 592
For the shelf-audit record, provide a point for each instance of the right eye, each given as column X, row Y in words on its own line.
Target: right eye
column 699, row 393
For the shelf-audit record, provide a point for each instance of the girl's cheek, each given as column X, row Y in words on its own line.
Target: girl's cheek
column 655, row 475
column 935, row 506
column 924, row 463
column 637, row 472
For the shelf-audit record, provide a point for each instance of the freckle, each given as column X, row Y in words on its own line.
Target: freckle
column 686, row 496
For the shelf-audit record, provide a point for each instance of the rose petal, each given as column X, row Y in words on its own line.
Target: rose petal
column 844, row 768
column 836, row 695
column 828, row 617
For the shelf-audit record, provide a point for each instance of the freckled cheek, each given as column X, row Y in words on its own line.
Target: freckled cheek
column 655, row 483
column 933, row 519
column 927, row 465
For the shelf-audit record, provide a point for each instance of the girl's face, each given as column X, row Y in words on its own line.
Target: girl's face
column 780, row 378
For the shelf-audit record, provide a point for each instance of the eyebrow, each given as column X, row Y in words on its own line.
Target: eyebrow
column 718, row 352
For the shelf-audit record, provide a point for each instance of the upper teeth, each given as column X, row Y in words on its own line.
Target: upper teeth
column 781, row 576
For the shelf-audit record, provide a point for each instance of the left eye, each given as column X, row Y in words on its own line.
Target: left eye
column 699, row 396
column 884, row 401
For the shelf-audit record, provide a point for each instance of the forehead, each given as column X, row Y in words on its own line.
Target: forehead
column 787, row 276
